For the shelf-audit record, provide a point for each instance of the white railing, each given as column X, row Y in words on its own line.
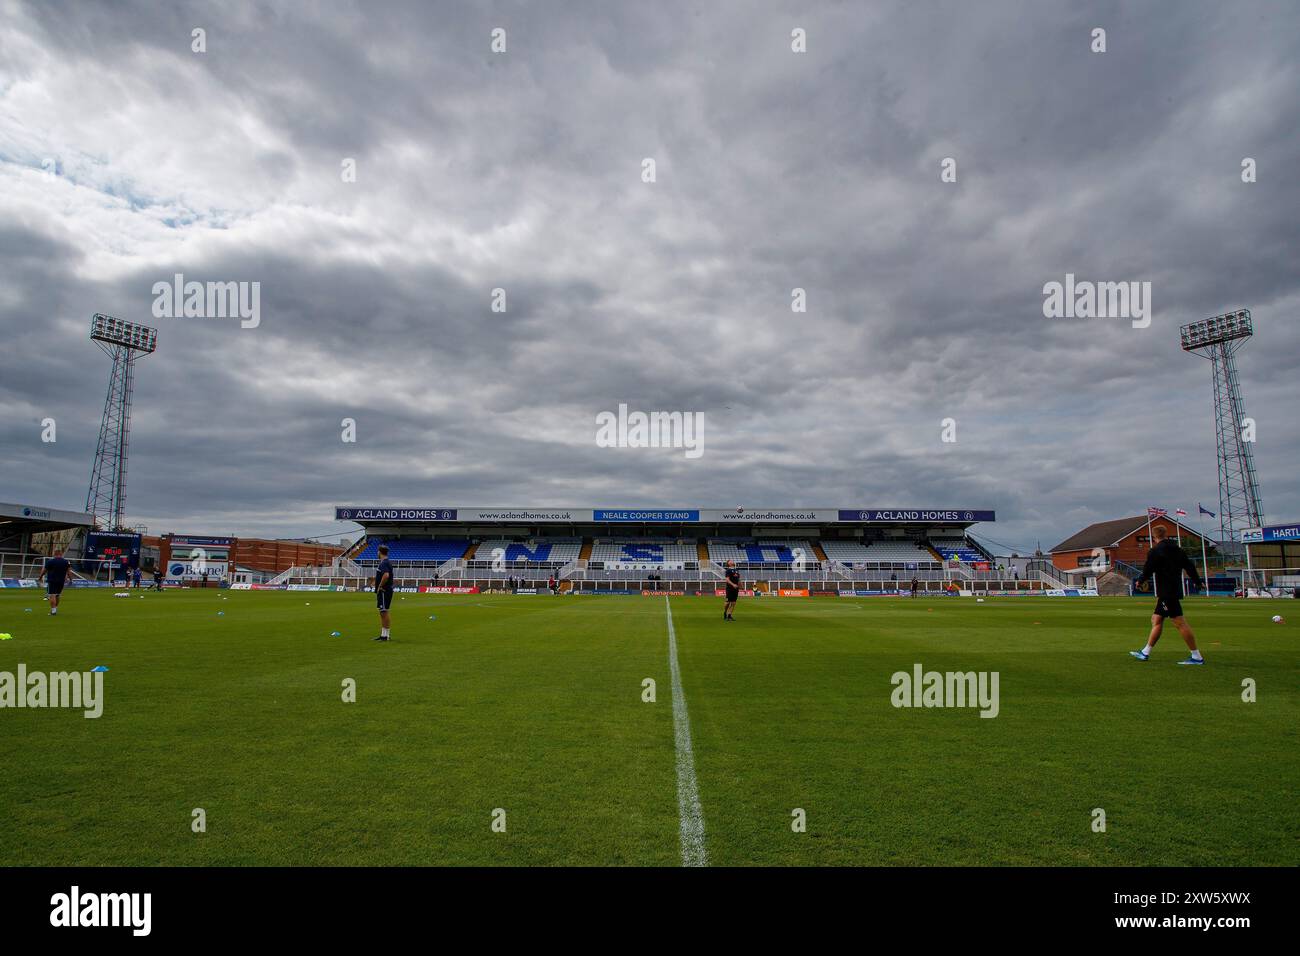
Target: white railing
column 883, row 574
column 1041, row 569
column 712, row 568
column 623, row 574
column 577, row 564
column 837, row 569
column 450, row 568
column 349, row 567
column 282, row 577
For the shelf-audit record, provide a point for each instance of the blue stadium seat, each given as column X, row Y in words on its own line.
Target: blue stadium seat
column 648, row 553
column 412, row 550
column 954, row 552
column 758, row 553
column 540, row 551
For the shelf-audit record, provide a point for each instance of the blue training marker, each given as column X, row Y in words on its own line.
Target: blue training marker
column 98, row 670
column 335, row 634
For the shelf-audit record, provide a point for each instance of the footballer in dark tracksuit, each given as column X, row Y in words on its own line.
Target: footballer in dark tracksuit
column 1165, row 564
column 733, row 591
column 56, row 568
column 383, row 591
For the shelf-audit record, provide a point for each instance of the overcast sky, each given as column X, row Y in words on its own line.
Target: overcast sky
column 126, row 157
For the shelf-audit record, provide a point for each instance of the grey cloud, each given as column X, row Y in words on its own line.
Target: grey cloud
column 775, row 171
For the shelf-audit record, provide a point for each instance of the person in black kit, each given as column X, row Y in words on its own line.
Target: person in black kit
column 157, row 577
column 1166, row 563
column 383, row 591
column 915, row 584
column 57, row 569
column 733, row 591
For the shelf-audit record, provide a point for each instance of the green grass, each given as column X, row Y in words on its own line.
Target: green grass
column 533, row 704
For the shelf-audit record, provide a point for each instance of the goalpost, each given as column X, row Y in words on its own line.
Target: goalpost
column 1271, row 554
column 26, row 566
column 1271, row 582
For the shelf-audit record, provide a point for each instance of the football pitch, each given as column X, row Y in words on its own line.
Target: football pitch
column 529, row 713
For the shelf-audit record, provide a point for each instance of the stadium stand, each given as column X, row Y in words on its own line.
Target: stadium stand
column 413, row 550
column 557, row 552
column 765, row 553
column 642, row 553
column 896, row 553
column 957, row 549
column 845, row 552
column 521, row 554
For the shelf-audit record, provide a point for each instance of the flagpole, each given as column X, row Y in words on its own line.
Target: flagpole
column 1205, row 564
column 1179, row 526
column 1154, row 589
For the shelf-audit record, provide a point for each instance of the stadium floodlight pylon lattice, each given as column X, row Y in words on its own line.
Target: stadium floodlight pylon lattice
column 1218, row 339
column 123, row 342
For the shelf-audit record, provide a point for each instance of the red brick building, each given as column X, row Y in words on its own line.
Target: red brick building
column 260, row 554
column 1124, row 539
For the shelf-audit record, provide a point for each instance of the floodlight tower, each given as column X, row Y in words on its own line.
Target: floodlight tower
column 123, row 342
column 1218, row 339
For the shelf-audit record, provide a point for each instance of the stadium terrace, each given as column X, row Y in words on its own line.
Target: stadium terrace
column 780, row 551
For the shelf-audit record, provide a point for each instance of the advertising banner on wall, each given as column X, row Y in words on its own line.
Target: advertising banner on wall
column 897, row 515
column 1277, row 532
column 394, row 514
column 199, row 541
column 194, row 569
column 662, row 515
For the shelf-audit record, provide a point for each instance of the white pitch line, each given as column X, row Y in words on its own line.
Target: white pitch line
column 688, row 793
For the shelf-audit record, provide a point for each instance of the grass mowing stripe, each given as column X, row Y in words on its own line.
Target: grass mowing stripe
column 688, row 793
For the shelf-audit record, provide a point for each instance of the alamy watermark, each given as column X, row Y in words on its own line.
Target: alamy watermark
column 75, row 908
column 1082, row 299
column 626, row 429
column 59, row 689
column 208, row 300
column 953, row 689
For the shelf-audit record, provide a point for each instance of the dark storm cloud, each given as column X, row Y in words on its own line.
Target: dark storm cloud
column 522, row 171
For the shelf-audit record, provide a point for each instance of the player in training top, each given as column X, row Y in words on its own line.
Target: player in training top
column 733, row 591
column 383, row 591
column 57, row 570
column 1166, row 563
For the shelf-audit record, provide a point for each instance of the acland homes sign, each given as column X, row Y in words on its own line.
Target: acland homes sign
column 666, row 515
